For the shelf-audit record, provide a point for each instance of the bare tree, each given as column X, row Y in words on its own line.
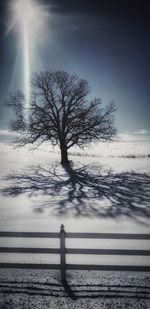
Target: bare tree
column 59, row 112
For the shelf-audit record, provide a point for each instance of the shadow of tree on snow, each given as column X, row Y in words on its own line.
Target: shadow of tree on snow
column 82, row 192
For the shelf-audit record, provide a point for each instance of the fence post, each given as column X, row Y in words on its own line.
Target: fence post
column 62, row 235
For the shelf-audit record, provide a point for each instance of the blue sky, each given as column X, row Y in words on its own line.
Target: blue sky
column 105, row 43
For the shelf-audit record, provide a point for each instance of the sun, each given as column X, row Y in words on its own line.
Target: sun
column 24, row 11
column 27, row 13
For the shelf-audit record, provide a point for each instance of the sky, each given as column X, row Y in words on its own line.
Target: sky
column 105, row 42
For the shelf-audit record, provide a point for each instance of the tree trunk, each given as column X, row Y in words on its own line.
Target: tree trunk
column 64, row 155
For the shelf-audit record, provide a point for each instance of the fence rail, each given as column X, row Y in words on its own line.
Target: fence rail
column 75, row 251
column 77, row 235
column 29, row 234
column 76, row 267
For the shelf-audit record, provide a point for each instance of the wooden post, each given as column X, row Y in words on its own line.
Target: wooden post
column 62, row 253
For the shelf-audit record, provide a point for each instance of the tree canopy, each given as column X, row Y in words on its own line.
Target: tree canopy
column 60, row 112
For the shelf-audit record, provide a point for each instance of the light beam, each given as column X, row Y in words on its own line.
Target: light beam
column 27, row 18
column 26, row 64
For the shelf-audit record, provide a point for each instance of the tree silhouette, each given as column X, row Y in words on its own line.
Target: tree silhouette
column 59, row 112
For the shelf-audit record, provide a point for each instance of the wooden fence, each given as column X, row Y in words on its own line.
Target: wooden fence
column 63, row 251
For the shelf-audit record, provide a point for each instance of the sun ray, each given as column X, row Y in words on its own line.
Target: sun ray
column 27, row 19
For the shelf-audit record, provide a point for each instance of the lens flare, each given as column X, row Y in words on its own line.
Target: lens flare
column 28, row 19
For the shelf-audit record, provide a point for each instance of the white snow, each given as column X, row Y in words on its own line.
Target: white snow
column 40, row 207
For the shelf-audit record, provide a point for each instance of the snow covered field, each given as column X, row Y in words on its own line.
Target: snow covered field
column 36, row 191
column 108, row 190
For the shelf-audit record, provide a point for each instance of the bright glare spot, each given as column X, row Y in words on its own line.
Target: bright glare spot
column 24, row 11
column 28, row 13
column 28, row 19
